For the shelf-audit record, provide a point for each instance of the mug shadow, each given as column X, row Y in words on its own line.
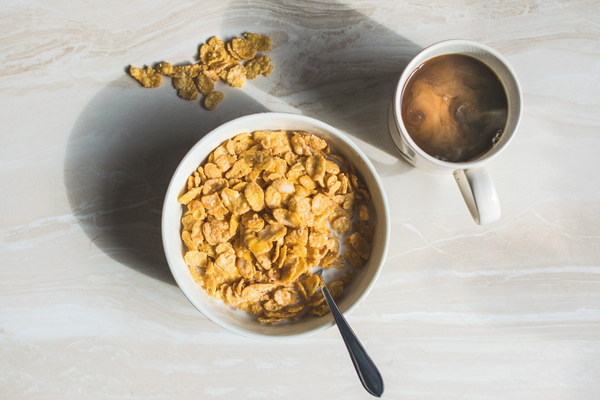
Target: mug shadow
column 337, row 65
column 120, row 157
column 128, row 141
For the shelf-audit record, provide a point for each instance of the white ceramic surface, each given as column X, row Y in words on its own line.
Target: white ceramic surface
column 215, row 310
column 88, row 306
column 474, row 181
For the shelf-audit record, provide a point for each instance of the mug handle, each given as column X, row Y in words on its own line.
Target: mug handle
column 479, row 192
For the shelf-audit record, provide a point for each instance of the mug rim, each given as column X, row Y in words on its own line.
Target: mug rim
column 419, row 59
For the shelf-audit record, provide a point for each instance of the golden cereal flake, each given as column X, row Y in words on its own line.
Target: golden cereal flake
column 212, row 171
column 190, row 195
column 215, row 231
column 204, row 83
column 363, row 212
column 263, row 43
column 341, row 224
column 236, row 76
column 353, row 258
column 256, row 291
column 165, row 68
column 255, row 196
column 235, row 201
column 359, row 243
column 257, row 66
column 267, row 72
column 212, row 100
column 186, row 89
column 196, row 259
column 232, row 53
column 252, row 222
column 213, row 51
column 315, row 167
column 148, row 77
column 214, row 206
column 244, row 48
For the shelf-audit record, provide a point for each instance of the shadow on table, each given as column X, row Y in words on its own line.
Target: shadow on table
column 128, row 140
column 335, row 64
column 120, row 158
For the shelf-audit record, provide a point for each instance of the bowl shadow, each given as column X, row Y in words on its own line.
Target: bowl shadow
column 120, row 157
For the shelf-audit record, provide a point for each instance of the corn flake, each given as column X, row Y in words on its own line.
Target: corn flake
column 148, row 77
column 212, row 100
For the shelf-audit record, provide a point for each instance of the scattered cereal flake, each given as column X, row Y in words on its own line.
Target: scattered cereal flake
column 244, row 48
column 213, row 51
column 165, row 68
column 258, row 66
column 148, row 76
column 204, row 83
column 212, row 100
column 263, row 43
column 236, row 76
column 267, row 72
column 186, row 89
column 232, row 53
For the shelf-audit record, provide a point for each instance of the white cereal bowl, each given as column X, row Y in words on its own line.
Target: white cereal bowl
column 215, row 310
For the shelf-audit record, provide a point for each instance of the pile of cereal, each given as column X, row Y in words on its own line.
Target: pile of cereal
column 263, row 211
column 218, row 61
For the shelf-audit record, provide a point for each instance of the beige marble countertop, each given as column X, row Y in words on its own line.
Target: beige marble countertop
column 88, row 308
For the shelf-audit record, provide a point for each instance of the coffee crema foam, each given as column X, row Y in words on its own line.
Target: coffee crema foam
column 454, row 107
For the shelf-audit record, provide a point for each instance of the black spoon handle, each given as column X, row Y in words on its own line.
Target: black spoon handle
column 365, row 367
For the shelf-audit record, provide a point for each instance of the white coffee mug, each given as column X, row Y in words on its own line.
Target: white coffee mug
column 474, row 181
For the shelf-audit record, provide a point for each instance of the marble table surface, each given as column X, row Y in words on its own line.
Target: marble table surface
column 88, row 308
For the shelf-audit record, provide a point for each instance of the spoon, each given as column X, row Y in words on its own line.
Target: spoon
column 365, row 367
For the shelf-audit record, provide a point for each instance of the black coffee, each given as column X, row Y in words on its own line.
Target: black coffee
column 454, row 107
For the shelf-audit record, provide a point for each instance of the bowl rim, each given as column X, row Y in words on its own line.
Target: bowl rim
column 172, row 188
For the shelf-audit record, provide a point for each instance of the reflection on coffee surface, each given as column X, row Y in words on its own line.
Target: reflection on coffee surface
column 454, row 107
